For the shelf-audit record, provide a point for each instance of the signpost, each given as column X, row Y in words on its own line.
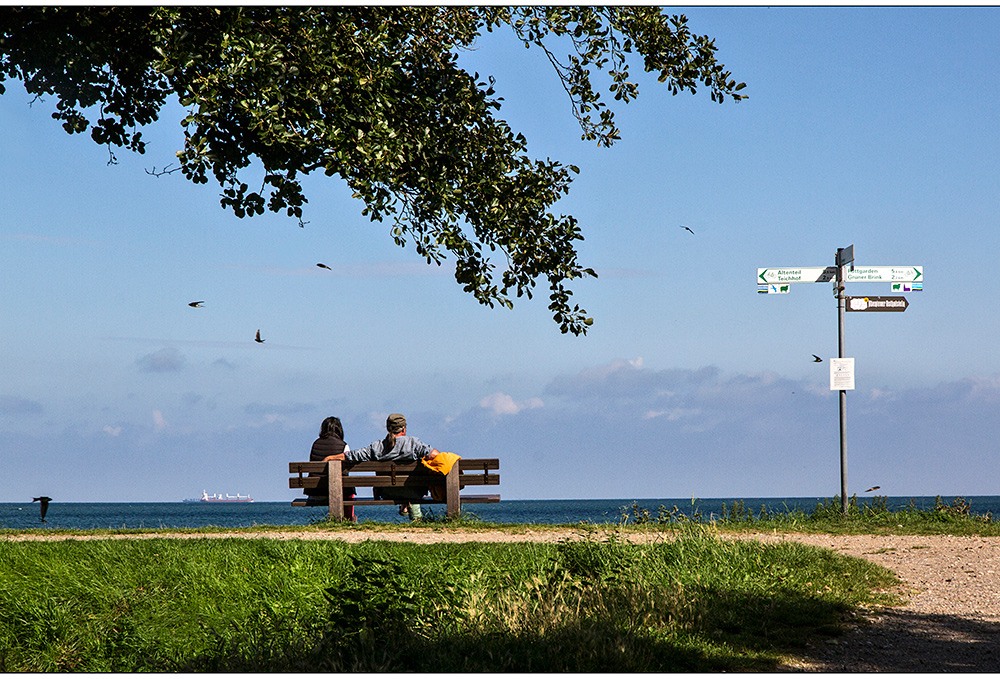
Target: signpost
column 844, row 271
column 845, row 256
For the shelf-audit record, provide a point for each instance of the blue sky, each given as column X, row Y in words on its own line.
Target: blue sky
column 868, row 126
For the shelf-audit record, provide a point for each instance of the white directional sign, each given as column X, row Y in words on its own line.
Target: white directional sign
column 886, row 274
column 802, row 274
column 824, row 274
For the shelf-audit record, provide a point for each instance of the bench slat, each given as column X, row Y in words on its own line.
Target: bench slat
column 401, row 480
column 464, row 465
column 322, row 501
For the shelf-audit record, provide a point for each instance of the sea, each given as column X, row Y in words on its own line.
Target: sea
column 116, row 515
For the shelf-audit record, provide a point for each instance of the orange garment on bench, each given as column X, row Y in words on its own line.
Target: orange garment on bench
column 440, row 464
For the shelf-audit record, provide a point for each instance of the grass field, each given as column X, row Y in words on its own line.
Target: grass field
column 690, row 603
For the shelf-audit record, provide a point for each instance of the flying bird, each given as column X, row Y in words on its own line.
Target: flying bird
column 45, row 504
column 258, row 339
column 873, row 488
column 196, row 304
column 817, row 359
column 686, row 227
column 323, row 266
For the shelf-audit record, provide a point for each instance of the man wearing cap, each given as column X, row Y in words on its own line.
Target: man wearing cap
column 396, row 447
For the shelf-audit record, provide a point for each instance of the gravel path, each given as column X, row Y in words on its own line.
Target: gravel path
column 949, row 623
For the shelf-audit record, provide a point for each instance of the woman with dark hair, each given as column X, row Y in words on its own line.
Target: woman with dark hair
column 330, row 445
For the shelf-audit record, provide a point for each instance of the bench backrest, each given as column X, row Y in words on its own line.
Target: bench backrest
column 467, row 472
column 471, row 472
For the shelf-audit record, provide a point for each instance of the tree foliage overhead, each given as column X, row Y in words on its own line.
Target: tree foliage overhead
column 373, row 95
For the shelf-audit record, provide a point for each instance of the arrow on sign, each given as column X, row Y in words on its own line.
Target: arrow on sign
column 823, row 274
column 888, row 274
column 802, row 274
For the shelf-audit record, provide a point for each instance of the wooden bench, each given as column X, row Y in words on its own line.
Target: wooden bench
column 341, row 474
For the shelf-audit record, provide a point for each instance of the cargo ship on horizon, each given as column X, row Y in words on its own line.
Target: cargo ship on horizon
column 218, row 497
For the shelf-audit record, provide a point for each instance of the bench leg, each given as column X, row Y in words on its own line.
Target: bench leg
column 451, row 491
column 335, row 487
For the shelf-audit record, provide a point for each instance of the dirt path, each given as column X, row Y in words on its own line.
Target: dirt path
column 950, row 623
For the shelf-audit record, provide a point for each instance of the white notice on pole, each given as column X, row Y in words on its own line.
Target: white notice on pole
column 841, row 374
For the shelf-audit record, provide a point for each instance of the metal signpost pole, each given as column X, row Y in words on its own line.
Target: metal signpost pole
column 776, row 281
column 843, row 392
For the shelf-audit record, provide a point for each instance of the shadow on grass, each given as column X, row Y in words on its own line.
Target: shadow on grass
column 729, row 632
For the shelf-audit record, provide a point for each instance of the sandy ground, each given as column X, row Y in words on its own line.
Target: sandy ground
column 949, row 623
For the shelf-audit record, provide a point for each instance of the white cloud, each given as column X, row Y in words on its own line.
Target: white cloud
column 289, row 415
column 377, row 420
column 269, row 418
column 673, row 414
column 269, row 409
column 158, row 422
column 602, row 372
column 984, row 388
column 502, row 404
column 112, row 431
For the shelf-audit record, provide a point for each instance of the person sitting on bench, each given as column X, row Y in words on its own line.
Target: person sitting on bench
column 397, row 447
column 330, row 446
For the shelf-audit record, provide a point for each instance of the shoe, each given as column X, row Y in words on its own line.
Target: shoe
column 415, row 513
column 404, row 509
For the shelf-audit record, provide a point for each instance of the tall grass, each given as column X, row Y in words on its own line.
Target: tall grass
column 690, row 603
column 867, row 516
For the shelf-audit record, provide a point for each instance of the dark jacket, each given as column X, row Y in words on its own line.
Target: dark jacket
column 320, row 449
